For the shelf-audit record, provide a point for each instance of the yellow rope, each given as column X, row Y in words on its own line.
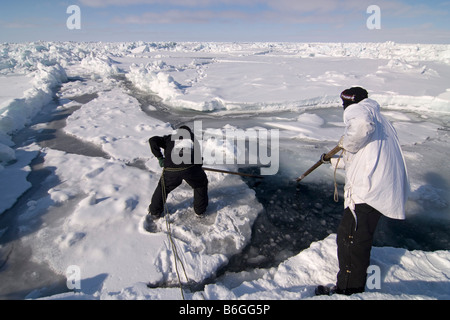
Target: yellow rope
column 336, row 194
column 169, row 229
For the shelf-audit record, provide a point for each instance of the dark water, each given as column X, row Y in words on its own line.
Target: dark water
column 294, row 216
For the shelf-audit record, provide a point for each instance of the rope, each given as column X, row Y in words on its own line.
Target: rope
column 336, row 194
column 169, row 230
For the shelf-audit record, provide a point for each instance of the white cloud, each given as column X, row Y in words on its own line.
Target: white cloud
column 336, row 15
column 171, row 16
column 394, row 8
column 281, row 11
column 182, row 16
column 179, row 3
column 18, row 25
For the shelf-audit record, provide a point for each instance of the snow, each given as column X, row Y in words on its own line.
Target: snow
column 402, row 271
column 92, row 211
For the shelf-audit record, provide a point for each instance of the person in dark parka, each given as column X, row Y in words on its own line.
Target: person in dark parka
column 181, row 161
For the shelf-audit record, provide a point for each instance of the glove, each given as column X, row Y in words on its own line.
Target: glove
column 322, row 158
column 161, row 162
column 341, row 142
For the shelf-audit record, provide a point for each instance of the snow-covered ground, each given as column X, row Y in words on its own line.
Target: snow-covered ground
column 84, row 214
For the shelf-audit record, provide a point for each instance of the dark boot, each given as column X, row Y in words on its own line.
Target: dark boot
column 149, row 223
column 325, row 290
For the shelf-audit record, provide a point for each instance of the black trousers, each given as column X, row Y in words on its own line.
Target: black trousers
column 354, row 246
column 194, row 176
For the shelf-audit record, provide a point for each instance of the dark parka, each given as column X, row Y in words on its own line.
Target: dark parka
column 182, row 161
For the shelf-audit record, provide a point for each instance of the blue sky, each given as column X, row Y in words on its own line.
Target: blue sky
column 401, row 21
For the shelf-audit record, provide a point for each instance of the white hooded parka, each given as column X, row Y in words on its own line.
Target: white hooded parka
column 375, row 168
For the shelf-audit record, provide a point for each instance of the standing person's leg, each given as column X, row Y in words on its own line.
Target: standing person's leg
column 354, row 240
column 171, row 181
column 201, row 199
column 156, row 207
column 198, row 180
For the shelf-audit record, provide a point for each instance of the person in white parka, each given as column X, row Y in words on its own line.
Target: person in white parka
column 376, row 183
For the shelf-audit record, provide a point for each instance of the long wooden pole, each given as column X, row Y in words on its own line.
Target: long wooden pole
column 232, row 172
column 326, row 157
